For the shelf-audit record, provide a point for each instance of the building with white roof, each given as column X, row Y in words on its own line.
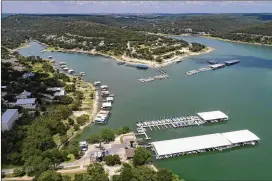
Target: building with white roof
column 240, row 136
column 106, row 105
column 29, row 103
column 23, row 95
column 109, row 99
column 213, row 115
column 194, row 143
column 58, row 91
column 8, row 119
column 217, row 66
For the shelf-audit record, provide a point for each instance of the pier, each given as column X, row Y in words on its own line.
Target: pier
column 156, row 77
column 214, row 66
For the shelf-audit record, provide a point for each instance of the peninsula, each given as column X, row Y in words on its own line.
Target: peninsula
column 81, row 34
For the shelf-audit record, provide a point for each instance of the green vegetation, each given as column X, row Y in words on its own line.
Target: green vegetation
column 107, row 135
column 196, row 47
column 112, row 160
column 51, row 175
column 141, row 156
column 70, row 32
column 81, row 120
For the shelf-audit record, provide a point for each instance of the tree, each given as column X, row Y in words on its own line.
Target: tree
column 18, row 172
column 141, row 156
column 64, row 99
column 123, row 130
column 164, row 175
column 70, row 88
column 71, row 121
column 107, row 135
column 50, row 175
column 76, row 126
column 94, row 138
column 144, row 173
column 97, row 172
column 81, row 120
column 112, row 160
column 126, row 173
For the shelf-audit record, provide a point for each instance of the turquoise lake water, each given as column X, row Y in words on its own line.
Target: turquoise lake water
column 243, row 91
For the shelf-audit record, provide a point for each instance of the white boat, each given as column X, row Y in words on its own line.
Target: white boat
column 65, row 69
column 82, row 73
column 49, row 57
column 70, row 71
column 97, row 83
column 62, row 63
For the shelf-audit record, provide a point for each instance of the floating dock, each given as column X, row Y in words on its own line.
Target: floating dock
column 156, row 77
column 179, row 122
column 214, row 66
column 204, row 143
column 231, row 62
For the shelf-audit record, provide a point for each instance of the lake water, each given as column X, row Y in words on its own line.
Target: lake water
column 243, row 91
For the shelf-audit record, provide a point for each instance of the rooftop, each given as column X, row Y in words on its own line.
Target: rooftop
column 130, row 152
column 203, row 142
column 106, row 104
column 25, row 101
column 213, row 115
column 240, row 136
column 8, row 114
column 190, row 144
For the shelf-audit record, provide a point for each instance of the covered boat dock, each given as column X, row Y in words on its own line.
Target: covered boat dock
column 204, row 143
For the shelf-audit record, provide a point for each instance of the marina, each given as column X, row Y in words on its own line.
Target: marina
column 201, row 118
column 204, row 143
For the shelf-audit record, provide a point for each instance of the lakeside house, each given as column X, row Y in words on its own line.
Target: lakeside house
column 24, row 95
column 8, row 118
column 30, row 103
column 58, row 91
column 28, row 75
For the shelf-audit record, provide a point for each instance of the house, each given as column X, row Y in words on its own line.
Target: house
column 130, row 153
column 28, row 75
column 58, row 91
column 8, row 118
column 29, row 103
column 24, row 95
column 188, row 30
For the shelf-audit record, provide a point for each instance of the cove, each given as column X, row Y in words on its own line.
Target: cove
column 242, row 91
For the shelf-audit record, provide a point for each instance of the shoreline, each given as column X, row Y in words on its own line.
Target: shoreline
column 130, row 60
column 94, row 109
column 235, row 41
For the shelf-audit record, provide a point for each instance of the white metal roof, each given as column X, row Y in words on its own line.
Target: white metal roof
column 25, row 101
column 217, row 65
column 240, row 136
column 106, row 104
column 190, row 144
column 8, row 114
column 212, row 115
column 109, row 98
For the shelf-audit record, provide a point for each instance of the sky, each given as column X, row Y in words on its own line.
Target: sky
column 85, row 7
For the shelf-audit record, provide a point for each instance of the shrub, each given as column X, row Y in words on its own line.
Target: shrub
column 18, row 172
column 112, row 160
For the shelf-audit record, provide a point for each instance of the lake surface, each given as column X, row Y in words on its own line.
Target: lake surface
column 243, row 91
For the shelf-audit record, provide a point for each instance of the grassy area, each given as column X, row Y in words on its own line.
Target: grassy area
column 49, row 49
column 70, row 132
column 72, row 175
column 72, row 159
column 56, row 139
